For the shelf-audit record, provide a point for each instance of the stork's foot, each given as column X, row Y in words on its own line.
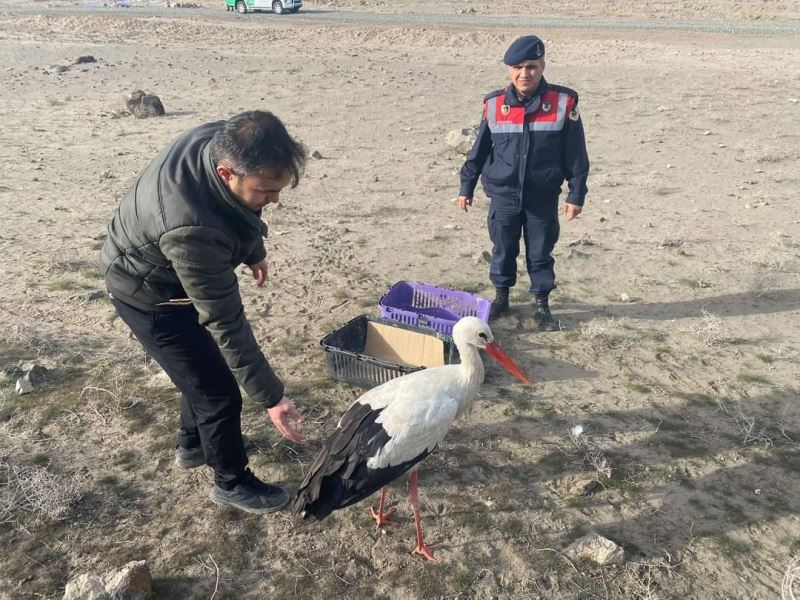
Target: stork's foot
column 426, row 551
column 382, row 517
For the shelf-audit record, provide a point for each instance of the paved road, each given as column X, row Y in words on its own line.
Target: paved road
column 791, row 28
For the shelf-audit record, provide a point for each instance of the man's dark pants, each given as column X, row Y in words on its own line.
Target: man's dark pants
column 211, row 404
column 536, row 220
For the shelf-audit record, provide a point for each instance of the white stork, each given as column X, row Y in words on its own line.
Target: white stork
column 392, row 427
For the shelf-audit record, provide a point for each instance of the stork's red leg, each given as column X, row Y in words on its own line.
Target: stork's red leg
column 382, row 517
column 426, row 551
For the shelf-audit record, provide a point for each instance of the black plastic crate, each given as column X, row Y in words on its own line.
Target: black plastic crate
column 344, row 353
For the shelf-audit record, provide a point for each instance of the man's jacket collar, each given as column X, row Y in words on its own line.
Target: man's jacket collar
column 243, row 217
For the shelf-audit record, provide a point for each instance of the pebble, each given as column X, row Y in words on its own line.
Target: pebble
column 89, row 295
column 576, row 254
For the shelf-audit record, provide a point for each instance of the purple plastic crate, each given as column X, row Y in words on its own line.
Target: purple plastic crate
column 426, row 305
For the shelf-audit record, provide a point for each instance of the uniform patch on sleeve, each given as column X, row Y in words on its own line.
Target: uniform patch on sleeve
column 574, row 115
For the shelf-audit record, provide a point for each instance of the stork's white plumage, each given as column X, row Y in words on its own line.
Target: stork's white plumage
column 394, row 426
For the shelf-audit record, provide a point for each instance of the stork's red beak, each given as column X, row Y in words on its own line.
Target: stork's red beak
column 494, row 350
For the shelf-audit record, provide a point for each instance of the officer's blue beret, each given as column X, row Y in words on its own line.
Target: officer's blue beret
column 528, row 47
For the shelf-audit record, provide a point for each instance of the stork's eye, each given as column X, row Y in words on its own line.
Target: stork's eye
column 482, row 336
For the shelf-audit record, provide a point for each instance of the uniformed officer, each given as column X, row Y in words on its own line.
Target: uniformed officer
column 530, row 140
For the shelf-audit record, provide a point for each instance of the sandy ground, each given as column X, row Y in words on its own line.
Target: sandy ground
column 689, row 387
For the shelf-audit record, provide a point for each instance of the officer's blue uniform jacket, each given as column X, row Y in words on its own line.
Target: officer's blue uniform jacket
column 525, row 151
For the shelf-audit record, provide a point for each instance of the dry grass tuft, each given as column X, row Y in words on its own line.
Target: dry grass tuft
column 777, row 255
column 673, row 242
column 118, row 380
column 643, row 578
column 592, row 455
column 760, row 283
column 778, row 239
column 38, row 491
column 754, row 432
column 606, row 334
column 20, row 333
column 791, row 581
column 31, row 332
column 711, row 330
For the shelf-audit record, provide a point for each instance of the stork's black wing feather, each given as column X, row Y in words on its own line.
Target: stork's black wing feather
column 339, row 476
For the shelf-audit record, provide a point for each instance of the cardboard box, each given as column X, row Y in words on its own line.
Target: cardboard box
column 403, row 347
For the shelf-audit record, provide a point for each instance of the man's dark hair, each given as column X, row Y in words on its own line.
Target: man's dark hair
column 256, row 141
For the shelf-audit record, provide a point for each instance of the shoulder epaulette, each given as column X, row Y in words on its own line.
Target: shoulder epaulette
column 563, row 89
column 494, row 94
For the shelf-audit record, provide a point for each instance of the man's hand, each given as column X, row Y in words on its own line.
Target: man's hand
column 464, row 202
column 571, row 211
column 260, row 272
column 282, row 415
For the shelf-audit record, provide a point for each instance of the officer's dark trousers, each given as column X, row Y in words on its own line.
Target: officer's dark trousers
column 211, row 403
column 537, row 221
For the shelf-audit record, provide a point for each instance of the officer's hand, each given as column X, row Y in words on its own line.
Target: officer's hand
column 571, row 211
column 464, row 203
column 260, row 272
column 282, row 415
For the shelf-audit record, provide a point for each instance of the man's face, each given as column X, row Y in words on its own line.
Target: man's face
column 526, row 75
column 254, row 191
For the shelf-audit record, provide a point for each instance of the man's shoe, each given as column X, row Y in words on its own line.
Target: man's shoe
column 191, row 458
column 499, row 305
column 252, row 495
column 542, row 314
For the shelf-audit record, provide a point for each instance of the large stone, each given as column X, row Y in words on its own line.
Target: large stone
column 149, row 106
column 13, row 372
column 23, row 387
column 483, row 257
column 597, row 549
column 86, row 587
column 133, row 99
column 143, row 105
column 131, row 582
column 461, row 140
column 34, row 373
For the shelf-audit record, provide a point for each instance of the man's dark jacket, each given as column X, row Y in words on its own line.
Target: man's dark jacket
column 178, row 234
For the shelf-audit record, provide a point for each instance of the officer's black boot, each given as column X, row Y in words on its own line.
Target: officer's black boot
column 542, row 313
column 499, row 304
